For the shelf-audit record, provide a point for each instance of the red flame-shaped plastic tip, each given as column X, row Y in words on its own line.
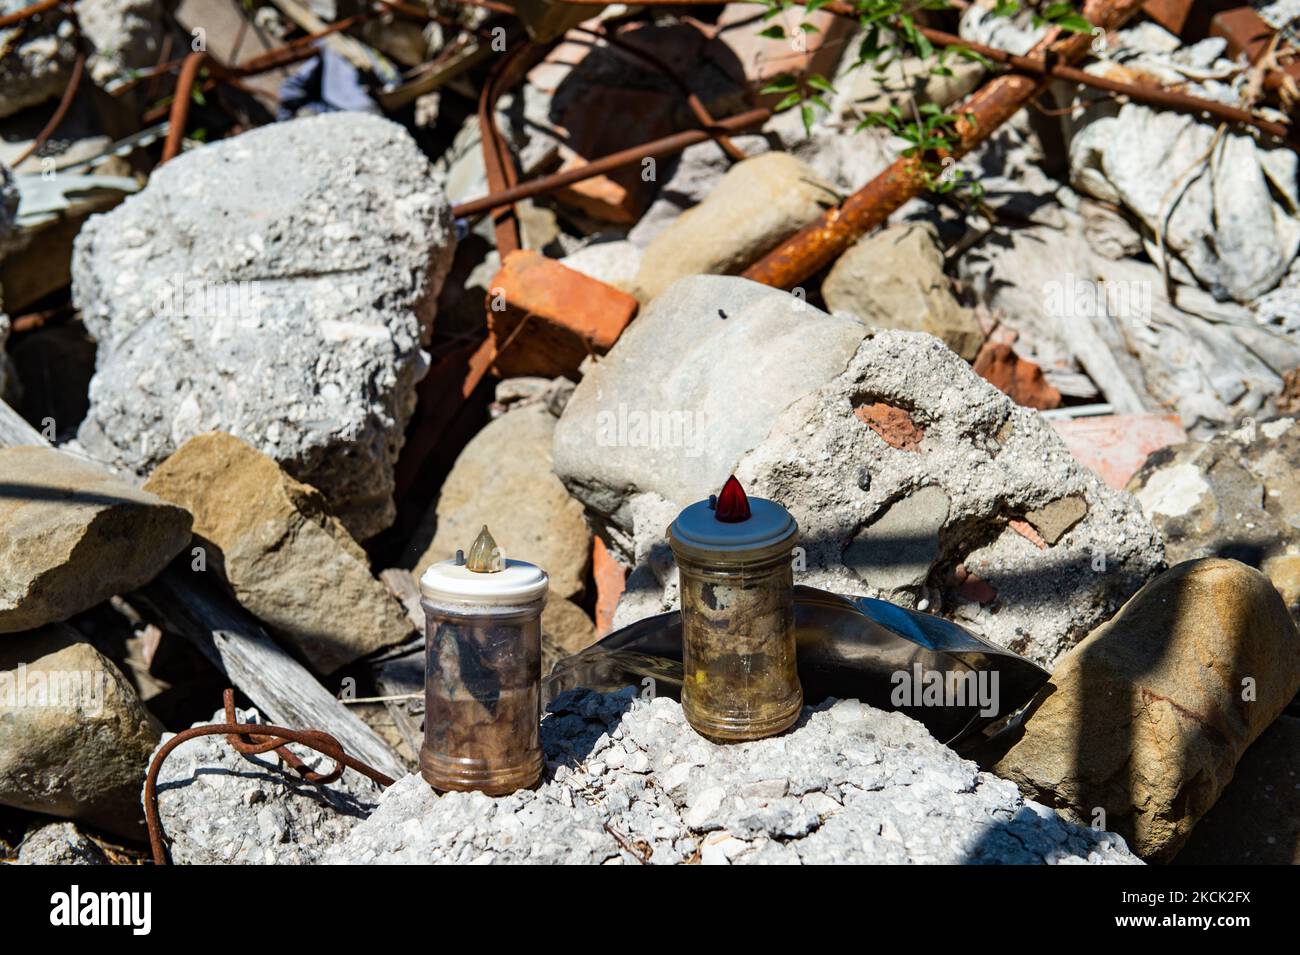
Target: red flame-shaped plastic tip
column 733, row 505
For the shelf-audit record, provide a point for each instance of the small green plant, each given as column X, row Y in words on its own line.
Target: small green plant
column 889, row 33
column 932, row 133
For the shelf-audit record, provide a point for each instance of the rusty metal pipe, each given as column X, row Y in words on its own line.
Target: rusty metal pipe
column 822, row 241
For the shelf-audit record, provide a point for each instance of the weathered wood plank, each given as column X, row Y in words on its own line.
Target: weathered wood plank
column 281, row 687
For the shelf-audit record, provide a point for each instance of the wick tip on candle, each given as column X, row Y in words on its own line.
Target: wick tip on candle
column 484, row 555
column 732, row 505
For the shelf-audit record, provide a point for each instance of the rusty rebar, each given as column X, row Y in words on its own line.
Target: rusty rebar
column 1151, row 95
column 27, row 13
column 822, row 241
column 69, row 94
column 180, row 109
column 666, row 146
column 250, row 739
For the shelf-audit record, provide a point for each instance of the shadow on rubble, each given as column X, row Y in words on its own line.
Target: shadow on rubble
column 1099, row 783
column 18, row 490
column 261, row 771
column 578, row 719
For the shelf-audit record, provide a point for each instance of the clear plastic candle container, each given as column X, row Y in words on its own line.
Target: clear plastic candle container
column 739, row 675
column 483, row 670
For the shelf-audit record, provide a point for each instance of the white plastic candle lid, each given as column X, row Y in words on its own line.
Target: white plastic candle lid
column 769, row 523
column 519, row 583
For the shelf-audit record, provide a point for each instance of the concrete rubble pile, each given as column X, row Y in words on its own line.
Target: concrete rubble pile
column 267, row 354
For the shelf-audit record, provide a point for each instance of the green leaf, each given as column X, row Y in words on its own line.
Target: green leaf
column 773, row 33
column 808, row 116
column 819, row 82
column 1074, row 23
column 791, row 100
column 781, row 84
column 966, row 53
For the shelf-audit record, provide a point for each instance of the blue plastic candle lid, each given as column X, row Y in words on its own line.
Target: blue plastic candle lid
column 697, row 526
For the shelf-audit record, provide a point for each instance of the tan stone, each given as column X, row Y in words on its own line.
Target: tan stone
column 895, row 279
column 1146, row 719
column 74, row 740
column 757, row 204
column 503, row 479
column 1283, row 571
column 72, row 535
column 285, row 557
column 1053, row 520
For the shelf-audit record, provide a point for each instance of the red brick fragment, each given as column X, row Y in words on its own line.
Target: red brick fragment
column 1115, row 446
column 610, row 581
column 1245, row 31
column 972, row 588
column 545, row 318
column 1026, row 530
column 894, row 425
column 1016, row 377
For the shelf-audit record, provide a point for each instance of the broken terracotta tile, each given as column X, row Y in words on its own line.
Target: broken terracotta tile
column 1115, row 446
column 1245, row 31
column 972, row 588
column 611, row 119
column 610, row 581
column 546, row 318
column 1026, row 530
column 1016, row 377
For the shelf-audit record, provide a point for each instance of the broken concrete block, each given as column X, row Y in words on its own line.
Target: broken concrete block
column 980, row 461
column 72, row 535
column 693, row 383
column 758, row 203
column 906, row 417
column 545, row 318
column 1232, row 496
column 59, row 843
column 275, row 286
column 74, row 740
column 284, row 556
column 1142, row 724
